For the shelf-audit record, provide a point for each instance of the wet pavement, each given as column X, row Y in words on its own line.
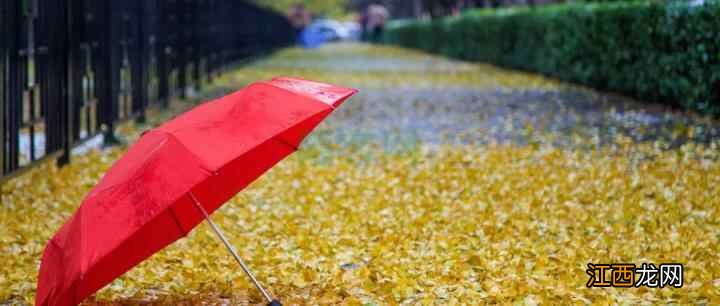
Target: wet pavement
column 410, row 97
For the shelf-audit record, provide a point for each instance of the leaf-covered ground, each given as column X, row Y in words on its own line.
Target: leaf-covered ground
column 441, row 183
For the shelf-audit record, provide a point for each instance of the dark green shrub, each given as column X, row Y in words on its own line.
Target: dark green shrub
column 652, row 50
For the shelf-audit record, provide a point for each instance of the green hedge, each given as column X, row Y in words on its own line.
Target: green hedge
column 666, row 53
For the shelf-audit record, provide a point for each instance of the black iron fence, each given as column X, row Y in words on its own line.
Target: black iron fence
column 72, row 69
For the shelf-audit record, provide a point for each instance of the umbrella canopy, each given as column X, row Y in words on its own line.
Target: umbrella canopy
column 147, row 199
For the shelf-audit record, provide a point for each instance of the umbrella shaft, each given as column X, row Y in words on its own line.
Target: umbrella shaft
column 230, row 248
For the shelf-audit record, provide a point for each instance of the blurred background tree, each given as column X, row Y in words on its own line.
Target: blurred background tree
column 440, row 8
column 402, row 8
column 326, row 8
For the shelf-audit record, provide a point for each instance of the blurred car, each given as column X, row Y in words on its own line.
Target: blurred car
column 326, row 30
column 332, row 30
column 354, row 30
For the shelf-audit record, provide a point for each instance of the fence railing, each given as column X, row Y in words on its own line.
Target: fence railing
column 72, row 69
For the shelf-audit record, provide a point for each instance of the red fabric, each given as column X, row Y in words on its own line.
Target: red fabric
column 142, row 204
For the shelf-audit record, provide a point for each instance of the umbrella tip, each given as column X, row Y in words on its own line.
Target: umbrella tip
column 329, row 94
column 275, row 303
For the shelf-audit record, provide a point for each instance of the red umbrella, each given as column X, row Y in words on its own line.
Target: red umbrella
column 173, row 177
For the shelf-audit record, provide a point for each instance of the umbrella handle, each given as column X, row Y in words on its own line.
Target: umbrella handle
column 273, row 302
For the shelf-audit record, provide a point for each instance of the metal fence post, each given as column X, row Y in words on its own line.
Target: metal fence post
column 5, row 16
column 142, row 75
column 68, row 67
column 106, row 69
column 162, row 54
column 65, row 64
column 137, row 51
column 182, row 47
column 13, row 85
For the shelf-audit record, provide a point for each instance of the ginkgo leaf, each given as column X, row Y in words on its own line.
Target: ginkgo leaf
column 530, row 182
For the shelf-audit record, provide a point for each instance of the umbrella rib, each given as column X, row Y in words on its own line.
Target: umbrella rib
column 177, row 221
column 202, row 163
column 280, row 140
column 298, row 93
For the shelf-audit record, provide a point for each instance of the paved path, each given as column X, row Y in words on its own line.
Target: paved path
column 402, row 196
column 413, row 97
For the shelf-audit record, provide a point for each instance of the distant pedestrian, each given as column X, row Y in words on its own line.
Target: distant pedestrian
column 299, row 18
column 363, row 21
column 377, row 16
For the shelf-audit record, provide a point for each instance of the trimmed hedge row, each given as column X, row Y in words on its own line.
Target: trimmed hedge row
column 667, row 53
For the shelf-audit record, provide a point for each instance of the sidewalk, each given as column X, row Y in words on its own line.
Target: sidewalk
column 442, row 182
